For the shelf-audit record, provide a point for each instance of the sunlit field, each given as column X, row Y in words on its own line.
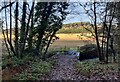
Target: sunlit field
column 74, row 36
column 71, row 40
column 1, row 36
column 68, row 36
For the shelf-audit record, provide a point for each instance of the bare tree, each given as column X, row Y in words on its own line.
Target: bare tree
column 104, row 14
column 109, row 30
column 92, row 14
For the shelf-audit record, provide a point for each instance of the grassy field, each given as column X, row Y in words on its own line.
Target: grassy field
column 68, row 36
column 74, row 36
column 71, row 40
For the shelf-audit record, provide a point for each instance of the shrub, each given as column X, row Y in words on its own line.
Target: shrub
column 14, row 61
column 88, row 51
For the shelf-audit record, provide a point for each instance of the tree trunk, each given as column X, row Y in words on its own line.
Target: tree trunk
column 10, row 23
column 103, row 42
column 96, row 33
column 49, row 44
column 39, row 41
column 31, row 33
column 27, row 27
column 22, row 31
column 10, row 41
column 112, row 48
column 109, row 31
column 16, row 29
column 5, row 40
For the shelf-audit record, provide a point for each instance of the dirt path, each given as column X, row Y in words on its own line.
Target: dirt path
column 64, row 69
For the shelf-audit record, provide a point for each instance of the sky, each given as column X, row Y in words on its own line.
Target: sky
column 76, row 18
column 76, row 14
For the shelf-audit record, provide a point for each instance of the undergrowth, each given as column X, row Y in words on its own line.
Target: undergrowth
column 35, row 72
column 93, row 67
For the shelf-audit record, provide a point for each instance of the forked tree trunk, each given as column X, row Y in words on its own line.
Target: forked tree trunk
column 96, row 33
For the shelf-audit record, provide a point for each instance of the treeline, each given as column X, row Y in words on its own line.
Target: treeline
column 76, row 24
column 77, row 27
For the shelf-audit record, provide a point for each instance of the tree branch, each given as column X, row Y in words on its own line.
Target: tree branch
column 6, row 6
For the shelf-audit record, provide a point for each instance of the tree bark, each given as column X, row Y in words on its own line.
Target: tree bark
column 6, row 6
column 39, row 41
column 48, row 44
column 16, row 29
column 10, row 22
column 5, row 40
column 10, row 40
column 22, row 31
column 96, row 33
column 109, row 31
column 27, row 27
column 30, row 41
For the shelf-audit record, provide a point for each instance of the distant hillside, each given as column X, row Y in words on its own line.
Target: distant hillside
column 77, row 27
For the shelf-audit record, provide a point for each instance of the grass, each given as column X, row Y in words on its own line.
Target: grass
column 92, row 67
column 36, row 71
column 73, row 44
column 74, row 36
column 68, row 36
column 71, row 40
column 14, row 61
